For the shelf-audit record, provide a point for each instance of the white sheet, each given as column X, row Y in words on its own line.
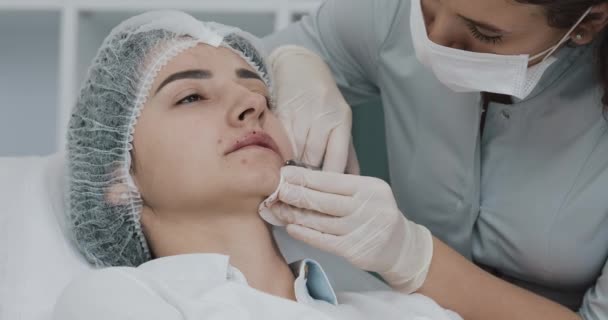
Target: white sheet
column 36, row 261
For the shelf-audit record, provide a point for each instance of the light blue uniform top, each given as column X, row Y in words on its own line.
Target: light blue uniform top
column 529, row 199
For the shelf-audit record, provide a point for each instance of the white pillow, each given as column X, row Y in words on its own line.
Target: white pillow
column 36, row 260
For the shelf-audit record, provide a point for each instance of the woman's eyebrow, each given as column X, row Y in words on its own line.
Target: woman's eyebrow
column 247, row 74
column 188, row 74
column 484, row 25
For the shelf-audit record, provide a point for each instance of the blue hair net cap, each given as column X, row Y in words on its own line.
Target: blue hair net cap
column 104, row 205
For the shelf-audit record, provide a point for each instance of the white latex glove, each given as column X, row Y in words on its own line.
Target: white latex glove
column 357, row 218
column 312, row 109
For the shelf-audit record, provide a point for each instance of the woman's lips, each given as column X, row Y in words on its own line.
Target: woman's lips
column 260, row 139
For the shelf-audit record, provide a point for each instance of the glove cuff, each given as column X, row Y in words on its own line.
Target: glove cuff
column 412, row 266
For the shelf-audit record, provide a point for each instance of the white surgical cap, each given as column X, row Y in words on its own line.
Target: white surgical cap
column 103, row 203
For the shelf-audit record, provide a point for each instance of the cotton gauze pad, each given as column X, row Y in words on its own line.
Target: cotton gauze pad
column 264, row 208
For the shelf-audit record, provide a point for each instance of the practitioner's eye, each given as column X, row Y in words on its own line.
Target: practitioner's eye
column 493, row 38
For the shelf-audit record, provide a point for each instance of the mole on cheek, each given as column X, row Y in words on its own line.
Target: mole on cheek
column 219, row 141
column 244, row 161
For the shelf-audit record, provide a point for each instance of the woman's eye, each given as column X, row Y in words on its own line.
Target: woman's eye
column 494, row 39
column 191, row 99
column 266, row 98
column 268, row 105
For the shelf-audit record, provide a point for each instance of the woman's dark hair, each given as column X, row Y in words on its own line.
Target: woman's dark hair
column 564, row 14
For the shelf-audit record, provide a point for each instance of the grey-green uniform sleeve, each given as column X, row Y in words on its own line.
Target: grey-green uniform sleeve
column 349, row 35
column 595, row 303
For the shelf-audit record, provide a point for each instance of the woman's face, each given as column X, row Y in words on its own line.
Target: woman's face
column 490, row 26
column 206, row 138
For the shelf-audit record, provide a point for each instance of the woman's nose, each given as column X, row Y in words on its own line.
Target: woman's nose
column 249, row 109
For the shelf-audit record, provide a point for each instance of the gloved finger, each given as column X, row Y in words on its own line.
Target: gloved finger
column 336, row 153
column 352, row 164
column 300, row 130
column 328, row 182
column 335, row 205
column 312, row 219
column 287, row 122
column 317, row 139
column 319, row 240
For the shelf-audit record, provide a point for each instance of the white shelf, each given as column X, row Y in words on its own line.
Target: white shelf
column 47, row 46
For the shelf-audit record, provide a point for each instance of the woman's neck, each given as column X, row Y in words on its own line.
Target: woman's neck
column 245, row 237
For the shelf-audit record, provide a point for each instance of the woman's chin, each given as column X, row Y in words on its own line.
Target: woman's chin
column 262, row 179
column 266, row 181
column 259, row 171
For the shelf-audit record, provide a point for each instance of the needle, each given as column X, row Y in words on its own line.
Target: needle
column 301, row 164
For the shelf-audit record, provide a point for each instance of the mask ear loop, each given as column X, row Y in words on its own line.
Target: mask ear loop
column 564, row 39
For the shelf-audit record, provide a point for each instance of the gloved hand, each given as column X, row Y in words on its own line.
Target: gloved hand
column 312, row 109
column 357, row 218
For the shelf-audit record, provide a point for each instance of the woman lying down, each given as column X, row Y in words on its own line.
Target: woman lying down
column 172, row 147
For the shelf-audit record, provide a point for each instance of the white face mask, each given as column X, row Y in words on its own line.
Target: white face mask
column 465, row 71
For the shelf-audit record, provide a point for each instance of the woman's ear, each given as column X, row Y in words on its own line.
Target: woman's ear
column 117, row 194
column 121, row 189
column 593, row 26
